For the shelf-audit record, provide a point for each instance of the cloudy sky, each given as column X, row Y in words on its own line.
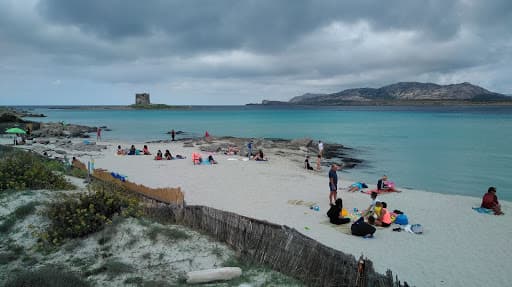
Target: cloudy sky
column 236, row 52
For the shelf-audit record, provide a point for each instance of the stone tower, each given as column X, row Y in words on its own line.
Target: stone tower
column 142, row 99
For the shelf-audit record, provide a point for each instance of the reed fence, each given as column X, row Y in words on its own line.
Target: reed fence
column 279, row 247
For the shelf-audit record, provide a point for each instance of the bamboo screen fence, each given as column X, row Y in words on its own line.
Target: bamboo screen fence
column 281, row 248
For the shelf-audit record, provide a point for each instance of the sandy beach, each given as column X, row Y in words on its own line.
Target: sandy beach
column 459, row 247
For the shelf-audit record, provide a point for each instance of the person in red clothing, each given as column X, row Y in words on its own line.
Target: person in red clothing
column 490, row 201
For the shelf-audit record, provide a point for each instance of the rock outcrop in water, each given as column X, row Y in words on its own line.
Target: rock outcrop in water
column 63, row 130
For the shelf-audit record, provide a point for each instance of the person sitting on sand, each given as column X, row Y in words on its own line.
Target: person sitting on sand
column 381, row 183
column 120, row 151
column 196, row 158
column 211, row 159
column 383, row 215
column 168, row 155
column 132, row 150
column 334, row 213
column 306, row 164
column 361, row 228
column 259, row 156
column 159, row 155
column 490, row 201
column 145, row 150
column 357, row 186
column 232, row 150
column 384, row 185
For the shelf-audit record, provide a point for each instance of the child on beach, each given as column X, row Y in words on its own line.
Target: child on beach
column 490, row 201
column 369, row 211
column 306, row 164
column 318, row 161
column 145, row 150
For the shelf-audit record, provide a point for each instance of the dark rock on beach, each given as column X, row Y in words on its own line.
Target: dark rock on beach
column 333, row 153
column 61, row 130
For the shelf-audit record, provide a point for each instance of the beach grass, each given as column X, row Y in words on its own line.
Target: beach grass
column 49, row 276
column 112, row 268
column 19, row 214
column 168, row 233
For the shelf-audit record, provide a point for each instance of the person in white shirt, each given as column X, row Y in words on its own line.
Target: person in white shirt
column 321, row 148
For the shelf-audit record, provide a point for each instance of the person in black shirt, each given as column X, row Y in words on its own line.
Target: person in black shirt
column 334, row 213
column 306, row 164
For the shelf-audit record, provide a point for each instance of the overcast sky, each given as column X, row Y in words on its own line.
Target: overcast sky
column 236, row 52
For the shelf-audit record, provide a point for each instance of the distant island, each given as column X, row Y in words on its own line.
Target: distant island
column 403, row 93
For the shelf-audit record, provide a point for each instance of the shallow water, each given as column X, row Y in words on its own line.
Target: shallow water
column 456, row 150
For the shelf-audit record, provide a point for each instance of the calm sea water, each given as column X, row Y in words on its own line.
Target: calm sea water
column 456, row 150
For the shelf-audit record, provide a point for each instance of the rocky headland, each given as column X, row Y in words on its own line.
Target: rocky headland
column 403, row 93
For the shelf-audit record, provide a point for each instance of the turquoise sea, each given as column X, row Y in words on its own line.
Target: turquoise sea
column 455, row 150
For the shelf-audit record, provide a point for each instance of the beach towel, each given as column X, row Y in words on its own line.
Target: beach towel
column 302, row 202
column 369, row 191
column 483, row 210
column 345, row 228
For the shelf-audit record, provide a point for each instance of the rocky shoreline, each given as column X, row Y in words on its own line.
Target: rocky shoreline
column 296, row 149
column 61, row 134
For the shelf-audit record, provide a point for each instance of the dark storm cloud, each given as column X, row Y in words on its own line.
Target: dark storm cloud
column 287, row 47
column 231, row 24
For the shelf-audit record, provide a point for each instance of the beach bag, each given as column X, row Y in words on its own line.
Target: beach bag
column 401, row 219
column 417, row 228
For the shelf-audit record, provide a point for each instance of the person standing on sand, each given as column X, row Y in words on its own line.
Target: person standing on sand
column 321, row 148
column 490, row 201
column 173, row 134
column 249, row 149
column 333, row 183
column 98, row 134
column 318, row 161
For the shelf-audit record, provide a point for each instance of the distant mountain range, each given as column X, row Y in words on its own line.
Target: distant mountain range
column 401, row 93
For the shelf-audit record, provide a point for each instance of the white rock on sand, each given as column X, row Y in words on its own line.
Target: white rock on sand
column 459, row 247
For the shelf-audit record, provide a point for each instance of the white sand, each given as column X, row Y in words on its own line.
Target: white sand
column 459, row 247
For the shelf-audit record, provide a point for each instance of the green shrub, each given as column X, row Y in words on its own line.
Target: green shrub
column 21, row 170
column 72, row 218
column 76, row 172
column 46, row 277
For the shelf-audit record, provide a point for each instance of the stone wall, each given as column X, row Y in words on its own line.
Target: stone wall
column 142, row 99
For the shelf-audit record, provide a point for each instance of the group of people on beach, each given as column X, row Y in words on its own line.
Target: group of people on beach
column 307, row 164
column 145, row 151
